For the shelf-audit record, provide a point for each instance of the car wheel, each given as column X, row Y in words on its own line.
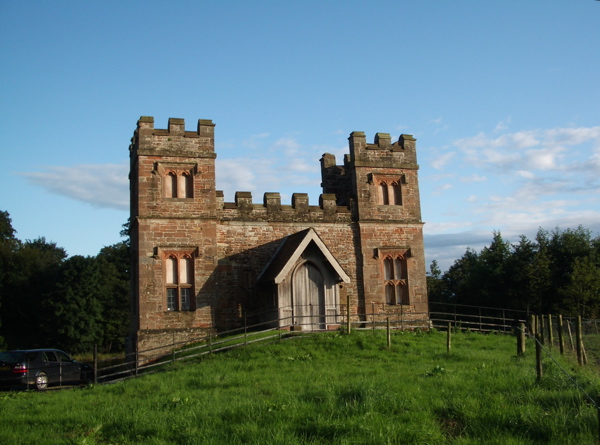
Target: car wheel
column 41, row 381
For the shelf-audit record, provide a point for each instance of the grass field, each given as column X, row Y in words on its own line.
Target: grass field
column 327, row 388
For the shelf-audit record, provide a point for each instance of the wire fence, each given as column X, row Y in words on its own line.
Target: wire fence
column 284, row 323
column 540, row 347
column 475, row 318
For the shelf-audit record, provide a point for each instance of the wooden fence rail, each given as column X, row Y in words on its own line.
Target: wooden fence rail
column 262, row 327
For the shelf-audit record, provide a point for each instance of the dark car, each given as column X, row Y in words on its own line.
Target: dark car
column 40, row 368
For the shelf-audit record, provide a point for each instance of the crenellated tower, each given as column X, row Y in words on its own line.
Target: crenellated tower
column 201, row 265
column 379, row 183
column 173, row 228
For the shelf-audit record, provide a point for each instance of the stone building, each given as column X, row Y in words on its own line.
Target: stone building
column 202, row 265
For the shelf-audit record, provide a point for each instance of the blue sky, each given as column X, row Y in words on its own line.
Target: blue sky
column 503, row 98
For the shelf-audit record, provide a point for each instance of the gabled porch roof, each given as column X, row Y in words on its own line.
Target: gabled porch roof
column 288, row 253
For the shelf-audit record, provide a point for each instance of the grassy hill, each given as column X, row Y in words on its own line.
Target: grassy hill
column 326, row 388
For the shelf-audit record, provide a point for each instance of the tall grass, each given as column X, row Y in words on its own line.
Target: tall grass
column 327, row 388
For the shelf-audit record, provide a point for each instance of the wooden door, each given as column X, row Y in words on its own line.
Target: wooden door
column 308, row 297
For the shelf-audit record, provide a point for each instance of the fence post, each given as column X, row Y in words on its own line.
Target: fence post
column 538, row 356
column 561, row 339
column 246, row 330
column 402, row 317
column 503, row 320
column 348, row 323
column 542, row 328
column 570, row 335
column 449, row 338
column 550, row 333
column 532, row 324
column 389, row 335
column 173, row 357
column 521, row 339
column 96, row 364
column 579, row 341
column 373, row 315
column 136, row 356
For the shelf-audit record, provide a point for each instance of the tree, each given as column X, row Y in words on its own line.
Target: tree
column 522, row 255
column 8, row 245
column 435, row 285
column 74, row 307
column 52, row 301
column 582, row 295
column 115, row 262
column 539, row 277
column 490, row 274
column 561, row 248
column 556, row 272
column 32, row 276
column 459, row 285
column 90, row 303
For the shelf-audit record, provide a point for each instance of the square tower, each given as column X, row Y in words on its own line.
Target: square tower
column 173, row 229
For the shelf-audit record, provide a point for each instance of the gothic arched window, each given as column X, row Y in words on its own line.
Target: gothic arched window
column 179, row 281
column 395, row 278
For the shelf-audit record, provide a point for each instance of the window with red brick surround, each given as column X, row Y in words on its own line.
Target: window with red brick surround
column 178, row 184
column 179, row 281
column 394, row 272
column 389, row 189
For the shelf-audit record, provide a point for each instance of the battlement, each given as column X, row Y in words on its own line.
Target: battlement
column 175, row 138
column 383, row 141
column 400, row 154
column 272, row 209
column 177, row 127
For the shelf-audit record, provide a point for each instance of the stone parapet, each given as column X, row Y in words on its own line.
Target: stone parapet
column 243, row 209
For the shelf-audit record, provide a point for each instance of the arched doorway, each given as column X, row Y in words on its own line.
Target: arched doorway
column 308, row 297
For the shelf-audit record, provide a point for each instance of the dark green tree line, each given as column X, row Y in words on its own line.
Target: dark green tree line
column 50, row 300
column 558, row 272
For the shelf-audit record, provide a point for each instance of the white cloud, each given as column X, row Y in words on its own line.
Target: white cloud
column 442, row 188
column 254, row 140
column 295, row 169
column 440, row 161
column 539, row 178
column 548, row 158
column 435, row 178
column 502, row 125
column 534, row 149
column 100, row 185
column 525, row 174
column 473, row 178
column 289, row 146
column 246, row 174
column 446, row 248
column 444, row 227
column 302, row 165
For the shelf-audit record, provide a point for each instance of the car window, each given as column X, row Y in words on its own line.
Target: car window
column 12, row 357
column 63, row 357
column 50, row 357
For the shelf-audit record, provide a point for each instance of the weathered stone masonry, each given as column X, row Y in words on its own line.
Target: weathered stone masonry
column 201, row 264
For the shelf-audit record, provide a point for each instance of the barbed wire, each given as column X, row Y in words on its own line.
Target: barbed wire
column 549, row 354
